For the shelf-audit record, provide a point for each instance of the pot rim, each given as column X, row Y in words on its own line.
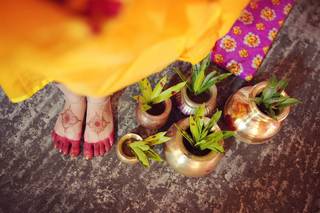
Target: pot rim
column 256, row 89
column 133, row 159
column 166, row 112
column 213, row 93
column 207, row 157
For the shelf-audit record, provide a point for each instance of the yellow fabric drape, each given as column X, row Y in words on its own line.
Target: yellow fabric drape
column 40, row 42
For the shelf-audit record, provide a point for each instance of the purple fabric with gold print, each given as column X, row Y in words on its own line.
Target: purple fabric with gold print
column 243, row 48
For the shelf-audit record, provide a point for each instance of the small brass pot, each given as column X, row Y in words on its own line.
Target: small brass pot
column 184, row 162
column 153, row 121
column 249, row 123
column 120, row 153
column 188, row 107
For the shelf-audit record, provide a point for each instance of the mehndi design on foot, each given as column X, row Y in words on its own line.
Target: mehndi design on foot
column 67, row 133
column 99, row 135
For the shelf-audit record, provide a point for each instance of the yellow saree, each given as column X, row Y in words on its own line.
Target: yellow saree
column 40, row 43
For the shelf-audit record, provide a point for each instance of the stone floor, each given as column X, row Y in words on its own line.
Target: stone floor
column 280, row 176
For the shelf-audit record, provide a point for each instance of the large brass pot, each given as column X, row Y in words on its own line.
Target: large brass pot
column 188, row 107
column 183, row 161
column 249, row 123
column 153, row 121
column 121, row 154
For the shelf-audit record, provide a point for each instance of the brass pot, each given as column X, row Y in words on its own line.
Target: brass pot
column 188, row 107
column 153, row 121
column 183, row 161
column 249, row 123
column 120, row 153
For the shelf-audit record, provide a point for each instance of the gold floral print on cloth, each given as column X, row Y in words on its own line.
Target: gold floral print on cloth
column 243, row 48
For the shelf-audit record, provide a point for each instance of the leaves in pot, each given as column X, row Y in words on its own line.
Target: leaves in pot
column 271, row 98
column 200, row 82
column 203, row 136
column 143, row 149
column 151, row 96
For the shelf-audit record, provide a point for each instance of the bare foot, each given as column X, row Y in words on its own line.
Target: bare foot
column 68, row 129
column 98, row 135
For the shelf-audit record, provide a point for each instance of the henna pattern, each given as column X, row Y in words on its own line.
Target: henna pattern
column 97, row 123
column 68, row 118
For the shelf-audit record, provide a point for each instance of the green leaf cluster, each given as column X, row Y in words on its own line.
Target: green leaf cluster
column 200, row 82
column 271, row 97
column 202, row 137
column 143, row 150
column 151, row 96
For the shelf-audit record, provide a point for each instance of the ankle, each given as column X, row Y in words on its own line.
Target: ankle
column 75, row 100
column 95, row 100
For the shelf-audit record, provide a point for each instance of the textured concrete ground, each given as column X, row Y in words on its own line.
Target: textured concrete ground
column 280, row 176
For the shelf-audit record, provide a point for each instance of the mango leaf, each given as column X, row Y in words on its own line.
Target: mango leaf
column 145, row 89
column 288, row 102
column 200, row 142
column 161, row 140
column 281, row 85
column 212, row 81
column 182, row 77
column 213, row 120
column 155, row 137
column 195, row 71
column 154, row 156
column 136, row 97
column 215, row 147
column 159, row 87
column 270, row 89
column 145, row 107
column 204, row 134
column 185, row 134
column 142, row 157
column 199, row 115
column 272, row 99
column 194, row 128
column 227, row 134
column 205, row 63
column 275, row 100
column 209, row 77
column 165, row 95
column 196, row 84
column 211, row 141
column 139, row 144
column 258, row 100
column 214, row 137
column 271, row 113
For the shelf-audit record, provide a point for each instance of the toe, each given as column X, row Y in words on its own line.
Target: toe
column 102, row 149
column 65, row 147
column 87, row 150
column 59, row 145
column 111, row 139
column 96, row 149
column 107, row 145
column 75, row 149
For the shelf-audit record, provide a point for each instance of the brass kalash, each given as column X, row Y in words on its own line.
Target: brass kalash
column 249, row 123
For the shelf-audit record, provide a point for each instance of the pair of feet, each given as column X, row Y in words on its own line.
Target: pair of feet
column 87, row 118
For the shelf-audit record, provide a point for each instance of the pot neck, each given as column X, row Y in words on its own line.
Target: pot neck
column 256, row 90
column 167, row 108
column 185, row 125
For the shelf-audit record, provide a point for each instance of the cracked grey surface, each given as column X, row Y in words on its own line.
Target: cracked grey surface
column 280, row 176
